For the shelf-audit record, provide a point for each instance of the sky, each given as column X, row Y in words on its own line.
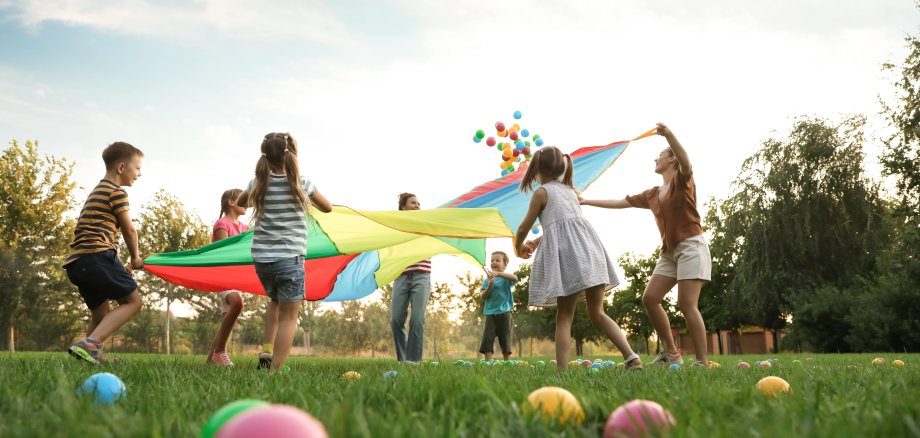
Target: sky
column 384, row 96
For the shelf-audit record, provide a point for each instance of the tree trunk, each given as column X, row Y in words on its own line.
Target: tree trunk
column 776, row 341
column 646, row 346
column 308, row 342
column 12, row 336
column 520, row 347
column 166, row 338
column 579, row 347
column 719, row 335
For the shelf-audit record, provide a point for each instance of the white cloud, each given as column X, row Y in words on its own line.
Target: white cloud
column 309, row 20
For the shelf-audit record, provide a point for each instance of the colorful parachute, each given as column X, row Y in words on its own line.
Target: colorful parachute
column 352, row 253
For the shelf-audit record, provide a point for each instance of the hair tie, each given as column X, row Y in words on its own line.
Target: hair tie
column 266, row 156
column 286, row 150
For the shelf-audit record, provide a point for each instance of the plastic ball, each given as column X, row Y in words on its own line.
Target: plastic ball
column 519, row 145
column 499, row 126
column 574, row 363
column 351, row 375
column 278, row 421
column 390, row 374
column 524, row 363
column 638, row 418
column 505, row 172
column 106, row 388
column 897, row 363
column 516, row 152
column 513, row 135
column 713, row 364
column 593, row 370
column 517, row 114
column 541, row 364
column 621, row 365
column 526, row 150
column 525, row 133
column 674, row 367
column 555, row 403
column 765, row 364
column 796, row 362
column 609, row 363
column 510, row 169
column 743, row 364
column 516, row 128
column 535, row 230
column 772, row 386
column 502, row 133
column 480, row 134
column 538, row 142
column 597, row 365
column 552, row 362
column 500, row 146
column 490, row 141
column 509, row 362
column 536, row 137
column 878, row 361
column 226, row 413
column 434, row 364
column 476, row 139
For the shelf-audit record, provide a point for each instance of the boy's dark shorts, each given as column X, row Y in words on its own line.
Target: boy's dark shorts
column 100, row 276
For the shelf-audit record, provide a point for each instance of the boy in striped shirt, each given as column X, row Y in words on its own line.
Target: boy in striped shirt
column 93, row 264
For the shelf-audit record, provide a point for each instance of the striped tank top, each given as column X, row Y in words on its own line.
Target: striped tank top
column 281, row 232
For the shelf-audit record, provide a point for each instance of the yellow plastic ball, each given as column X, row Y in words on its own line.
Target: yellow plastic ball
column 351, row 375
column 556, row 403
column 714, row 364
column 897, row 363
column 878, row 361
column 772, row 386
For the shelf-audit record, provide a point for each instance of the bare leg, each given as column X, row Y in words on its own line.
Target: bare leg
column 565, row 314
column 226, row 324
column 688, row 295
column 97, row 315
column 657, row 288
column 117, row 317
column 488, row 356
column 287, row 325
column 601, row 320
column 271, row 323
column 507, row 355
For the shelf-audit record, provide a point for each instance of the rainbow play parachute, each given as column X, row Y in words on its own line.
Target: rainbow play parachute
column 351, row 253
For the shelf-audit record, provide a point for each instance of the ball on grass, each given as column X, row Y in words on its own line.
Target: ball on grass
column 878, row 361
column 638, row 418
column 897, row 363
column 226, row 413
column 555, row 403
column 743, row 364
column 772, row 386
column 277, row 421
column 106, row 388
column 390, row 375
column 351, row 375
column 674, row 367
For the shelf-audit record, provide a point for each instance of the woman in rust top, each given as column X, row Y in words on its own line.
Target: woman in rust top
column 685, row 260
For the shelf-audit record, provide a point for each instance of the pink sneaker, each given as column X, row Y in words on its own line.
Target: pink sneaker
column 221, row 359
column 665, row 358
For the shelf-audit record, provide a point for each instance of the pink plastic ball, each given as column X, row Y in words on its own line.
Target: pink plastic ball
column 637, row 418
column 490, row 141
column 743, row 365
column 278, row 421
column 499, row 126
column 513, row 136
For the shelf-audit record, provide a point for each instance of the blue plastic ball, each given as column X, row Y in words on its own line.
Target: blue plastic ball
column 517, row 114
column 525, row 133
column 476, row 139
column 106, row 388
column 674, row 367
column 539, row 142
column 519, row 145
column 535, row 230
column 597, row 365
column 389, row 375
column 609, row 363
column 505, row 172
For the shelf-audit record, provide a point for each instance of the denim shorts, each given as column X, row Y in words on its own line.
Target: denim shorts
column 282, row 280
column 99, row 277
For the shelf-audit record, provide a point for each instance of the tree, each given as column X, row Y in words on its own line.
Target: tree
column 802, row 216
column 35, row 193
column 166, row 226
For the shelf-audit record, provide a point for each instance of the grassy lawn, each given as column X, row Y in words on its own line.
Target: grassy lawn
column 173, row 396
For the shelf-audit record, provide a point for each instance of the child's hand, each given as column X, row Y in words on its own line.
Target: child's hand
column 581, row 201
column 525, row 251
column 663, row 130
column 136, row 263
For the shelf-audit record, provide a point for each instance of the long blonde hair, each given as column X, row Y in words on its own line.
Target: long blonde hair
column 550, row 163
column 279, row 150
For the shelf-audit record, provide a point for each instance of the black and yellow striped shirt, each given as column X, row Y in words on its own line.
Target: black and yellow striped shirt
column 97, row 228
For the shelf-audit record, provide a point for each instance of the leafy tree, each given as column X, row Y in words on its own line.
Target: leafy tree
column 167, row 226
column 802, row 217
column 35, row 193
column 529, row 322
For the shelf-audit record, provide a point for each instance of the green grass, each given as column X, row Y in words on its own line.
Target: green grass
column 174, row 397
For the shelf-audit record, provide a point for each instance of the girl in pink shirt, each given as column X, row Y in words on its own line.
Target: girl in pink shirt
column 231, row 301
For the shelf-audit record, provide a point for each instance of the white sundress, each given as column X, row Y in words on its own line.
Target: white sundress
column 571, row 257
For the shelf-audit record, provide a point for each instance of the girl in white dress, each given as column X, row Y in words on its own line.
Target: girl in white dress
column 572, row 263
